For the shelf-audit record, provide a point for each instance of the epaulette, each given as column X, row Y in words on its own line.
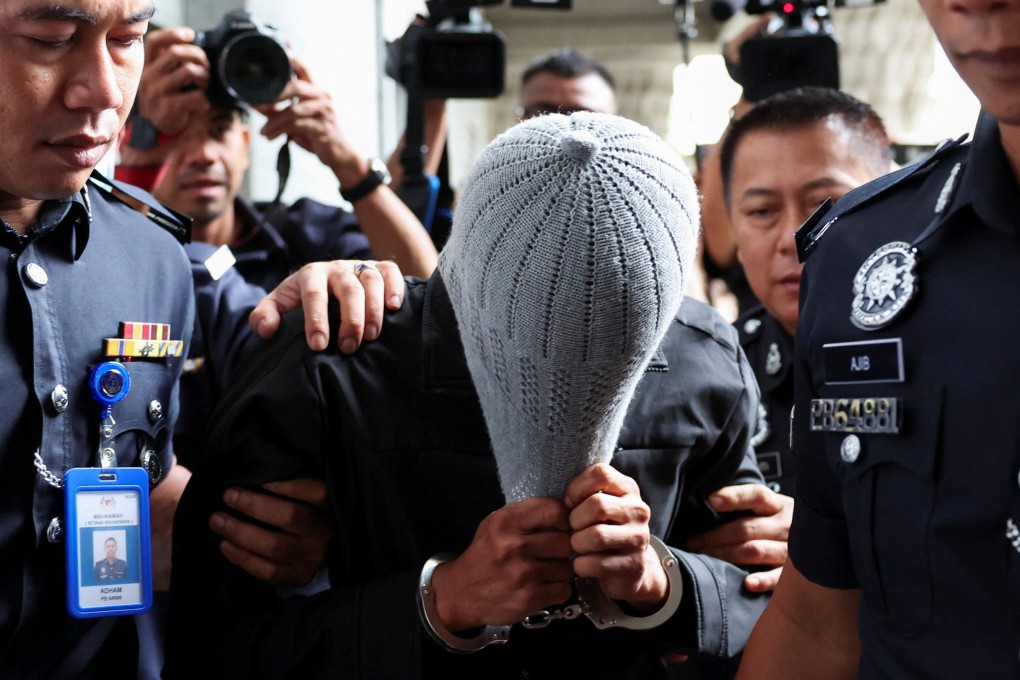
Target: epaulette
column 810, row 232
column 174, row 222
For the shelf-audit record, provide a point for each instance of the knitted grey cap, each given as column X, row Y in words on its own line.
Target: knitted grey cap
column 565, row 267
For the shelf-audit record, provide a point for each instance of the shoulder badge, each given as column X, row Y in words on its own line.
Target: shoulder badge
column 808, row 235
column 174, row 222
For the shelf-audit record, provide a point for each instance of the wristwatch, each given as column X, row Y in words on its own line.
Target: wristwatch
column 377, row 175
column 143, row 135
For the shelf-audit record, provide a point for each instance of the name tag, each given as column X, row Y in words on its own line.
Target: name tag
column 869, row 361
column 870, row 415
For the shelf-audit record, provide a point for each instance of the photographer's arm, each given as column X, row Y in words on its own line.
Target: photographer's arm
column 310, row 121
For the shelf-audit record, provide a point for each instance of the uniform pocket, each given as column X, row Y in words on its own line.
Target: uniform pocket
column 141, row 417
column 889, row 492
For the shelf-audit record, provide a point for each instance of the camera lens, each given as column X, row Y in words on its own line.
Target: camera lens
column 254, row 68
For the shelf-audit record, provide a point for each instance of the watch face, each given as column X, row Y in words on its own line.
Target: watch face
column 379, row 166
column 143, row 134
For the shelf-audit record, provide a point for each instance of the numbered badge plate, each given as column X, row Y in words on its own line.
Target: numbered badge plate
column 867, row 415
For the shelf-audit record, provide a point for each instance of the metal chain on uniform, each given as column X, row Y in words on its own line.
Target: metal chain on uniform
column 45, row 473
column 945, row 199
column 888, row 280
column 40, row 465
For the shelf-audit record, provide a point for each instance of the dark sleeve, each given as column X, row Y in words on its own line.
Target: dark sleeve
column 243, row 629
column 819, row 543
column 717, row 613
column 222, row 307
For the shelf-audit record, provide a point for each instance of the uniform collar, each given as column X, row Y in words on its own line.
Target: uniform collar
column 74, row 211
column 772, row 351
column 987, row 184
column 778, row 352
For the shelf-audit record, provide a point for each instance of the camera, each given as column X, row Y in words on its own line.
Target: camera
column 453, row 53
column 248, row 63
column 802, row 51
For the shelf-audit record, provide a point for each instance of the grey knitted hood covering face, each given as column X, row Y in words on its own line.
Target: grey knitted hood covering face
column 565, row 266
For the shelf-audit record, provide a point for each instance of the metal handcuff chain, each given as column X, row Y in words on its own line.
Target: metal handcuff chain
column 593, row 603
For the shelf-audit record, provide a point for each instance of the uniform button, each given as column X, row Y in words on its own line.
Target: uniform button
column 35, row 275
column 155, row 410
column 850, row 449
column 55, row 531
column 59, row 398
column 751, row 326
column 152, row 465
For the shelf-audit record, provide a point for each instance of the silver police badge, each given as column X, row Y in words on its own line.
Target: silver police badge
column 883, row 286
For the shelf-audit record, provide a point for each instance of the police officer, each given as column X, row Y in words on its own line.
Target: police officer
column 84, row 270
column 903, row 551
column 822, row 143
column 111, row 567
column 79, row 262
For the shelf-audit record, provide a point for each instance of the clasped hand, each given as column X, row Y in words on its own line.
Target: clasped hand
column 525, row 555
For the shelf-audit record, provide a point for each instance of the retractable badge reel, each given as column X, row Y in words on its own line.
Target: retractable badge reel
column 109, row 563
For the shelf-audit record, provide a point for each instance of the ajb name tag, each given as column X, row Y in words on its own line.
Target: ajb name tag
column 868, row 361
column 869, row 415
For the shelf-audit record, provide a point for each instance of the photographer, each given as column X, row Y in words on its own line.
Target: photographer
column 198, row 165
column 172, row 100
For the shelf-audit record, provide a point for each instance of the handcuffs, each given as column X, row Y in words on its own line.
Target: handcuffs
column 591, row 602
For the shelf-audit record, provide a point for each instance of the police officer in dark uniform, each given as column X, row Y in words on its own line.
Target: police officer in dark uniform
column 85, row 270
column 80, row 261
column 828, row 143
column 904, row 554
column 769, row 349
column 823, row 144
column 779, row 162
column 111, row 567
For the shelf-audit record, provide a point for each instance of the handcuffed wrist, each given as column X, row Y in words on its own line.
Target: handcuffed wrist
column 606, row 613
column 489, row 635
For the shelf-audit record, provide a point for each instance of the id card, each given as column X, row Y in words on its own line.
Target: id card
column 109, row 559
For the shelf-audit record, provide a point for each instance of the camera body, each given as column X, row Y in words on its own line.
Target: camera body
column 452, row 54
column 248, row 62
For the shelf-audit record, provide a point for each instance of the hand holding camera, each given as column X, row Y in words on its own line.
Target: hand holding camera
column 304, row 113
column 174, row 80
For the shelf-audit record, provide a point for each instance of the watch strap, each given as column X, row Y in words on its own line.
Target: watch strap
column 376, row 177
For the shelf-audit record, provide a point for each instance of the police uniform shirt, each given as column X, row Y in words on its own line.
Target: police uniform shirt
column 769, row 349
column 67, row 285
column 908, row 446
column 105, row 571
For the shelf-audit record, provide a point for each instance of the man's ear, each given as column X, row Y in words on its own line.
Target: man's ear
column 246, row 132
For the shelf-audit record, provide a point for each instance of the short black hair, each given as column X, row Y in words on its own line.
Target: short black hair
column 567, row 63
column 804, row 107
